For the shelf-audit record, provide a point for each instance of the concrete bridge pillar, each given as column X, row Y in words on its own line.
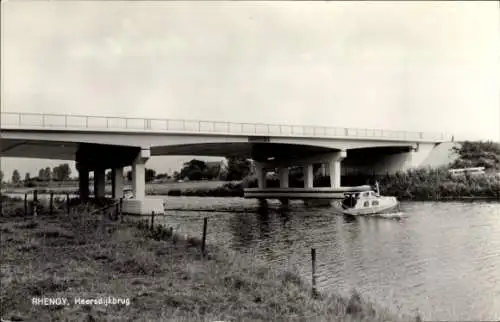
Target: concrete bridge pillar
column 308, row 176
column 99, row 183
column 83, row 183
column 261, row 175
column 283, row 173
column 117, row 182
column 139, row 174
column 323, row 170
column 335, row 170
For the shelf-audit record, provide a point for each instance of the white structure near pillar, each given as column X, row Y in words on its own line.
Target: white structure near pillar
column 117, row 182
column 334, row 168
column 283, row 173
column 308, row 176
column 261, row 175
column 99, row 183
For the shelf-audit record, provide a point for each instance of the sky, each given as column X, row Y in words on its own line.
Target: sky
column 426, row 66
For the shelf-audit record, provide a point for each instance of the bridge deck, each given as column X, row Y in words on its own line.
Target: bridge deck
column 37, row 121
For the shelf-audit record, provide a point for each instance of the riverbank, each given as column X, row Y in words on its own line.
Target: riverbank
column 161, row 274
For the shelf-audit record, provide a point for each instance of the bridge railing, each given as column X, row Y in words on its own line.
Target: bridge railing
column 11, row 120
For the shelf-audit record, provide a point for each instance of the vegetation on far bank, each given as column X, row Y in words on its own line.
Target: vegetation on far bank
column 161, row 273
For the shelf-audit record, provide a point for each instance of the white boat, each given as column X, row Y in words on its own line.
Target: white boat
column 369, row 203
column 128, row 193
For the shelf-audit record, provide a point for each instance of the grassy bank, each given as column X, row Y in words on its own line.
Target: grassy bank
column 162, row 275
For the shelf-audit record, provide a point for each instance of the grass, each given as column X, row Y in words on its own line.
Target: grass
column 160, row 272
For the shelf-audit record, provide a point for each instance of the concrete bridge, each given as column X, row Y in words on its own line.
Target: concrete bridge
column 98, row 143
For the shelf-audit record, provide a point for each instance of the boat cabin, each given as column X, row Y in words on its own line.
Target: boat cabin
column 368, row 198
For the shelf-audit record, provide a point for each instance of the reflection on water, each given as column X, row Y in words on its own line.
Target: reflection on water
column 443, row 260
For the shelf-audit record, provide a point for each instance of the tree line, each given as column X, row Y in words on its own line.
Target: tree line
column 61, row 172
column 235, row 169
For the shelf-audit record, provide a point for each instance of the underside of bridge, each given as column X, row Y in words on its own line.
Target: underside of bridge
column 267, row 156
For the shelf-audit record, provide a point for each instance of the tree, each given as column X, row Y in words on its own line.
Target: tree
column 477, row 154
column 237, row 168
column 212, row 171
column 150, row 175
column 109, row 176
column 16, row 177
column 176, row 175
column 45, row 174
column 1, row 176
column 162, row 176
column 61, row 172
column 27, row 177
column 194, row 170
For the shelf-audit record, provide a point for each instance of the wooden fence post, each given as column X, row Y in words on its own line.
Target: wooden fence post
column 51, row 205
column 313, row 258
column 203, row 240
column 26, row 204
column 35, row 203
column 121, row 209
column 67, row 203
column 152, row 220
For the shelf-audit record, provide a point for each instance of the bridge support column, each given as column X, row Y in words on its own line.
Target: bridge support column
column 139, row 175
column 335, row 171
column 117, row 182
column 323, row 170
column 261, row 175
column 139, row 204
column 99, row 183
column 83, row 183
column 283, row 173
column 308, row 176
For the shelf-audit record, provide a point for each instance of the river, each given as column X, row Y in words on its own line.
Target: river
column 442, row 261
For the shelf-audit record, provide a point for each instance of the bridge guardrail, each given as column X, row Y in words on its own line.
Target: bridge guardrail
column 111, row 123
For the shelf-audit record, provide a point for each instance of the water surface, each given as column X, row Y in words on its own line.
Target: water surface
column 442, row 261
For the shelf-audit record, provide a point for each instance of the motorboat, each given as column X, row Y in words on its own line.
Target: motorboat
column 369, row 203
column 128, row 193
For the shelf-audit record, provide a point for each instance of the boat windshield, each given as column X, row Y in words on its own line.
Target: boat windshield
column 350, row 200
